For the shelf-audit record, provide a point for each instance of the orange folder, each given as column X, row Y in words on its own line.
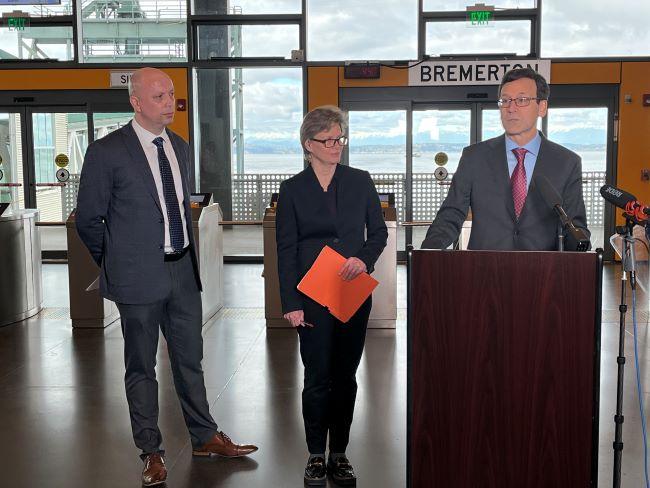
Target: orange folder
column 323, row 284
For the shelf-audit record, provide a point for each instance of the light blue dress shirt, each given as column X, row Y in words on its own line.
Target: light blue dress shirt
column 529, row 160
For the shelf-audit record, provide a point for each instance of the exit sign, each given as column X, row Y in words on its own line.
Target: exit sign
column 480, row 15
column 479, row 18
column 17, row 23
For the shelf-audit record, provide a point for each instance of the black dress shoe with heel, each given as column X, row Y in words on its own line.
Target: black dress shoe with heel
column 315, row 472
column 341, row 471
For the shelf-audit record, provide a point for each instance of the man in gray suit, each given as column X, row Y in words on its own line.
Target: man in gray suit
column 497, row 179
column 133, row 214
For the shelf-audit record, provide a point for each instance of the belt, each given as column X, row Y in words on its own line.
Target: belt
column 175, row 256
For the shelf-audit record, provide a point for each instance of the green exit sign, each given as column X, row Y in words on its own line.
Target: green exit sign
column 17, row 23
column 480, row 18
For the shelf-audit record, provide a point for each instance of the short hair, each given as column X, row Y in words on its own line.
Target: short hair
column 543, row 90
column 320, row 119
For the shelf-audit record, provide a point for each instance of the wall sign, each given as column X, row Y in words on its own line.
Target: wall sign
column 447, row 73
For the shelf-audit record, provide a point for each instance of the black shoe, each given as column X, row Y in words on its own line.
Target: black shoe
column 315, row 472
column 341, row 471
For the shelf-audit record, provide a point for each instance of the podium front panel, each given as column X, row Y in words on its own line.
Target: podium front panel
column 504, row 354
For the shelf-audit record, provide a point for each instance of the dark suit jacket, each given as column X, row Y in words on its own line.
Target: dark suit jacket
column 482, row 182
column 120, row 221
column 304, row 225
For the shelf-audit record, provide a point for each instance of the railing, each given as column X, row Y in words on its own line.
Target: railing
column 130, row 10
column 251, row 194
column 173, row 49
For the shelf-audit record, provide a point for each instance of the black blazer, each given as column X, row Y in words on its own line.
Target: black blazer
column 120, row 221
column 304, row 225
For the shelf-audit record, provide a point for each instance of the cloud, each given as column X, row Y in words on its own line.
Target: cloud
column 361, row 30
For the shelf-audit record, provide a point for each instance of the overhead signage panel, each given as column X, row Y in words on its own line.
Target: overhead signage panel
column 484, row 72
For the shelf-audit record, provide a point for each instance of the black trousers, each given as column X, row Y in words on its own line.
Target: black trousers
column 331, row 352
column 179, row 317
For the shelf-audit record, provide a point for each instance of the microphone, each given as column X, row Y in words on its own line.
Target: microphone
column 632, row 208
column 554, row 200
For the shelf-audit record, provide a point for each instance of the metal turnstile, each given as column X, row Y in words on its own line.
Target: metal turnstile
column 21, row 282
column 88, row 309
column 208, row 237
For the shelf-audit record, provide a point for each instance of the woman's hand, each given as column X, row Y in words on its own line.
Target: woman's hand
column 297, row 319
column 351, row 269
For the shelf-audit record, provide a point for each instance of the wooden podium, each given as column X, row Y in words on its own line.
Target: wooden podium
column 503, row 369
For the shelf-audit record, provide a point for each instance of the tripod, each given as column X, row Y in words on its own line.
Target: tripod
column 628, row 267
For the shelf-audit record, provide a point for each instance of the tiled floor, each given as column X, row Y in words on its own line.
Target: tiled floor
column 64, row 418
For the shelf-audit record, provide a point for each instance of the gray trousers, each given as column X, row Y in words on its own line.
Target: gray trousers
column 179, row 317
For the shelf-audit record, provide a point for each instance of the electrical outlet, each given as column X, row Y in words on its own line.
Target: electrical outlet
column 645, row 174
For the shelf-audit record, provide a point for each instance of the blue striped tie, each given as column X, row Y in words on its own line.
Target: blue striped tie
column 171, row 200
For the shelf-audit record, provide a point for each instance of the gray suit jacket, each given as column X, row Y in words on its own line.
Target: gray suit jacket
column 120, row 221
column 482, row 182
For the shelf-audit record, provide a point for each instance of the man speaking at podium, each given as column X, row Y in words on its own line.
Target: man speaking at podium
column 133, row 215
column 497, row 180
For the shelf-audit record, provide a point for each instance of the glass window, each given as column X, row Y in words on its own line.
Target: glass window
column 447, row 5
column 584, row 131
column 505, row 36
column 435, row 131
column 378, row 145
column 134, row 31
column 237, row 41
column 37, row 43
column 11, row 164
column 247, row 141
column 63, row 7
column 53, row 134
column 105, row 123
column 248, row 7
column 595, row 28
column 491, row 123
column 367, row 29
column 44, row 150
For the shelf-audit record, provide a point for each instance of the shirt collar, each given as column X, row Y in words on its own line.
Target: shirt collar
column 532, row 146
column 145, row 136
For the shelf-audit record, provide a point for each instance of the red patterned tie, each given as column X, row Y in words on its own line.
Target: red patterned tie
column 518, row 180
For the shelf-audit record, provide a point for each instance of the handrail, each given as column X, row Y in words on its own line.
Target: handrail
column 240, row 222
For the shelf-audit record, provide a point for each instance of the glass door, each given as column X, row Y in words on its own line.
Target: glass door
column 59, row 138
column 11, row 158
column 440, row 132
column 584, row 131
column 378, row 145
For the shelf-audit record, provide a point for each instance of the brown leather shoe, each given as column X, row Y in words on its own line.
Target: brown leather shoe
column 221, row 445
column 154, row 472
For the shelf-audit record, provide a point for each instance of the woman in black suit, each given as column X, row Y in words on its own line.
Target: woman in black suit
column 335, row 205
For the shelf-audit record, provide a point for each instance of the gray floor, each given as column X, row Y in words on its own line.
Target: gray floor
column 64, row 418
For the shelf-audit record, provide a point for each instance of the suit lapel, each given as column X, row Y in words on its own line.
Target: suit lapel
column 182, row 164
column 499, row 165
column 140, row 160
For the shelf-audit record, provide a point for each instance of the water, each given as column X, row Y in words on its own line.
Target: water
column 388, row 162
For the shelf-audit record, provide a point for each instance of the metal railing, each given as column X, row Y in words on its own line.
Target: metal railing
column 133, row 10
column 251, row 193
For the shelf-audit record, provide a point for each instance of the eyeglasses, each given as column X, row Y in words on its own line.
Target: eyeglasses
column 343, row 141
column 519, row 101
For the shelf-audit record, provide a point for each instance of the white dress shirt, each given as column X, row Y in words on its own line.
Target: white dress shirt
column 151, row 151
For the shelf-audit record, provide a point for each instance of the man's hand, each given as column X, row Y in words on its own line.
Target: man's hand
column 297, row 319
column 351, row 269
